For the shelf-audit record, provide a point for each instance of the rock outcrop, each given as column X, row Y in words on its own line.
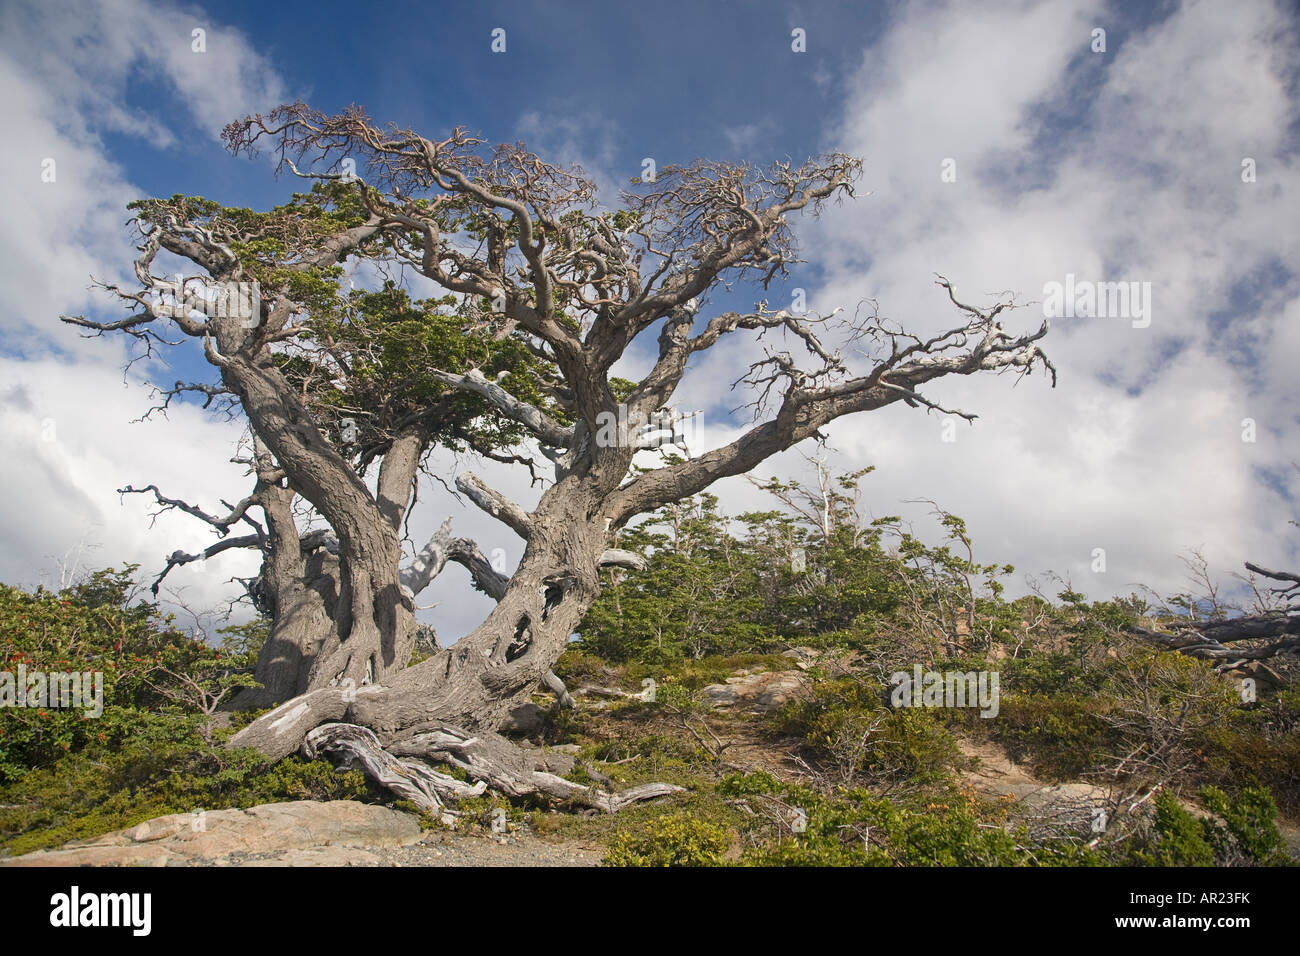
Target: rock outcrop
column 299, row 833
column 761, row 692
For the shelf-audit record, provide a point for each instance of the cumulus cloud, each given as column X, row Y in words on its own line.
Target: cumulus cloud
column 67, row 439
column 1123, row 165
column 68, row 442
column 568, row 135
column 1117, row 166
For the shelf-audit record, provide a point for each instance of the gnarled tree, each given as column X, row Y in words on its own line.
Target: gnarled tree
column 545, row 294
column 1234, row 643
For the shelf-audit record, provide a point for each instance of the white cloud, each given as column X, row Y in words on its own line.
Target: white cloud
column 1139, row 449
column 567, row 135
column 69, row 441
column 64, row 77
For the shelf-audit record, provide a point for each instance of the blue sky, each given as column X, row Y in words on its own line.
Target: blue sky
column 1120, row 165
column 675, row 80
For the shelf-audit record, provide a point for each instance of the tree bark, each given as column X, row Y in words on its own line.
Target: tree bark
column 477, row 682
column 485, row 757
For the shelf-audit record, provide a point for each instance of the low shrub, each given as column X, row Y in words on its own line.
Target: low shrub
column 1236, row 831
column 677, row 840
column 849, row 730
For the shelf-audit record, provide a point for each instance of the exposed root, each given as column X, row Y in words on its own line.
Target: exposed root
column 410, row 779
column 489, row 759
column 513, row 771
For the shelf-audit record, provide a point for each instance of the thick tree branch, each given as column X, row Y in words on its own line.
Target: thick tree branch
column 811, row 401
column 534, row 419
column 1277, row 632
column 495, row 504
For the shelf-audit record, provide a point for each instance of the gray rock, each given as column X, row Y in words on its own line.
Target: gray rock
column 759, row 692
column 212, row 837
column 524, row 719
column 803, row 657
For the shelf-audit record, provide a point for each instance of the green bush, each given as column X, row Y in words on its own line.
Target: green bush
column 666, row 757
column 578, row 666
column 678, row 840
column 1237, row 831
column 1259, row 747
column 695, row 674
column 850, row 731
column 1248, row 828
column 93, row 627
column 85, row 795
column 1179, row 839
column 152, row 752
column 1061, row 737
column 855, row 828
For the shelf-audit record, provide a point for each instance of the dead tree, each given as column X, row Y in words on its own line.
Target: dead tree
column 1236, row 642
column 530, row 262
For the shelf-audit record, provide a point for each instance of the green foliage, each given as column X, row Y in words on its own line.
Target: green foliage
column 1059, row 736
column 850, row 730
column 166, row 769
column 483, row 812
column 677, row 840
column 360, row 359
column 694, row 674
column 710, row 592
column 147, row 666
column 390, row 343
column 577, row 666
column 1259, row 746
column 675, row 697
column 1158, row 712
column 659, row 756
column 695, row 598
column 153, row 751
column 1236, row 830
column 852, row 827
column 1248, row 828
column 1048, row 673
column 1078, row 698
column 1180, row 838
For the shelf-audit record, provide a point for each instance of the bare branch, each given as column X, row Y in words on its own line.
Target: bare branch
column 619, row 558
column 495, row 504
column 537, row 421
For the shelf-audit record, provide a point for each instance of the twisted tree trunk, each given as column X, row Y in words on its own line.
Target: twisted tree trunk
column 477, row 682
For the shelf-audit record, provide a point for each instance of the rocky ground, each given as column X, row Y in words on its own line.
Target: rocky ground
column 349, row 833
column 306, row 833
